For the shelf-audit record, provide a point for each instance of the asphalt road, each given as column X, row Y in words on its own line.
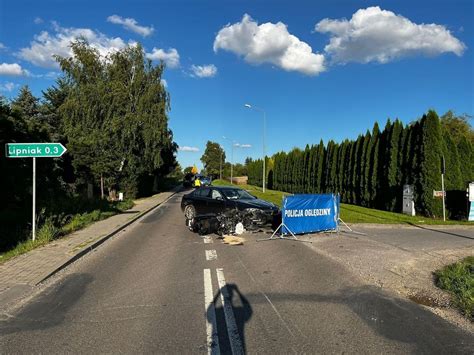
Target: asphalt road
column 155, row 289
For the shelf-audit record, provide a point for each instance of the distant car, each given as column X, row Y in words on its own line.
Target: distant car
column 188, row 180
column 215, row 200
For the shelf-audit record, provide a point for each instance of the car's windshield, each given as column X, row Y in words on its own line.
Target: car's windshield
column 237, row 194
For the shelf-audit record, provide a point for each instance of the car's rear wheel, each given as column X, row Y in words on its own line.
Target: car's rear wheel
column 189, row 212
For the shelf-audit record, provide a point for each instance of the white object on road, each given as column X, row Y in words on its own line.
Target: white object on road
column 239, row 228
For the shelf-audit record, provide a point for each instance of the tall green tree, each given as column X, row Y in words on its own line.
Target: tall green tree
column 371, row 171
column 394, row 196
column 430, row 174
column 466, row 157
column 213, row 158
column 115, row 117
column 363, row 166
column 321, row 153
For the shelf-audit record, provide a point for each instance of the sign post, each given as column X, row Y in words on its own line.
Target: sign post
column 34, row 150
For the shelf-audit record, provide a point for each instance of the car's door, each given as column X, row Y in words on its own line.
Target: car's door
column 200, row 200
column 216, row 202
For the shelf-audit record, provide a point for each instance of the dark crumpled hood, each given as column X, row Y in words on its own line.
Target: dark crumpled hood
column 256, row 203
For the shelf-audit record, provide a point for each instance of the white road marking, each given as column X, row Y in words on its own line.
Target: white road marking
column 210, row 314
column 211, row 255
column 208, row 239
column 232, row 330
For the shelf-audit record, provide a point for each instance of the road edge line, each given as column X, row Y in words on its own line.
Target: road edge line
column 213, row 347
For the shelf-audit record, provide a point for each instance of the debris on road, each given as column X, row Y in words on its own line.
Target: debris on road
column 232, row 240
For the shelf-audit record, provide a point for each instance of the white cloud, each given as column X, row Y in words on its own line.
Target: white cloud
column 188, row 149
column 376, row 35
column 269, row 43
column 2, row 46
column 13, row 69
column 38, row 20
column 242, row 145
column 171, row 58
column 164, row 83
column 131, row 25
column 204, row 71
column 8, row 86
column 45, row 45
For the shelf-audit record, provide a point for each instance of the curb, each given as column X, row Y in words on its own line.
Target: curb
column 103, row 239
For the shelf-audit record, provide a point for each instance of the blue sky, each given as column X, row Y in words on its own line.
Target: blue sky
column 320, row 70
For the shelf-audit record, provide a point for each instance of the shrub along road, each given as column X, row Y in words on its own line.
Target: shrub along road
column 160, row 288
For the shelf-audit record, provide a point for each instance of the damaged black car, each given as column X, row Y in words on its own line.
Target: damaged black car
column 227, row 210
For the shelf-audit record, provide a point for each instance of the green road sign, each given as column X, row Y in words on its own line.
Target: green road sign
column 34, row 150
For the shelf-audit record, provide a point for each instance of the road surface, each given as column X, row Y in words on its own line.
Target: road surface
column 159, row 288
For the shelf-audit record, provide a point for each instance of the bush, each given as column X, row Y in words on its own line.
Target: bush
column 48, row 231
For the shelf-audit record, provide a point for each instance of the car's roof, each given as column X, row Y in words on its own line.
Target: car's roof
column 226, row 187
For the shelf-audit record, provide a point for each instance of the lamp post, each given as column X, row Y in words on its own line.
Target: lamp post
column 263, row 139
column 231, row 159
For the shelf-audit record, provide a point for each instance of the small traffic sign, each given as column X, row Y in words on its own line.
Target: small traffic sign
column 439, row 193
column 34, row 150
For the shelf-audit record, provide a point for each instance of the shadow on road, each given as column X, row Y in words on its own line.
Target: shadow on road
column 440, row 231
column 50, row 308
column 392, row 318
column 242, row 313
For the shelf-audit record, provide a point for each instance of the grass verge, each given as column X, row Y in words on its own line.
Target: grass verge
column 458, row 280
column 350, row 213
column 51, row 229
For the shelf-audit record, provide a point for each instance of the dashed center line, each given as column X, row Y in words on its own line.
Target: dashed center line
column 210, row 314
column 211, row 255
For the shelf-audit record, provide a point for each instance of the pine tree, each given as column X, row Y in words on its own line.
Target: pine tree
column 394, row 196
column 371, row 170
column 430, row 174
column 320, row 168
column 340, row 169
column 356, row 171
column 363, row 166
column 453, row 175
column 333, row 169
column 466, row 157
column 327, row 170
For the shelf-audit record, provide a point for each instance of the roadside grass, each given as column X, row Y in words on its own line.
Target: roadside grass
column 350, row 213
column 54, row 227
column 458, row 279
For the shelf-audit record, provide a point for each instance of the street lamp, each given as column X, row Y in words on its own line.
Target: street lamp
column 263, row 139
column 231, row 159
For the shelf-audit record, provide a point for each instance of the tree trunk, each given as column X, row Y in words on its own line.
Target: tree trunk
column 101, row 186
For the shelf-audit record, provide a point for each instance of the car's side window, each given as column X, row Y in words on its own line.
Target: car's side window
column 216, row 195
column 202, row 192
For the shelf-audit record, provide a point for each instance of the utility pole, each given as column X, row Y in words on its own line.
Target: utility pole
column 232, row 164
column 220, row 165
column 443, row 171
column 263, row 141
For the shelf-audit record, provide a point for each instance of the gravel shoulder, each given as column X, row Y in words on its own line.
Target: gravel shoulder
column 401, row 259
